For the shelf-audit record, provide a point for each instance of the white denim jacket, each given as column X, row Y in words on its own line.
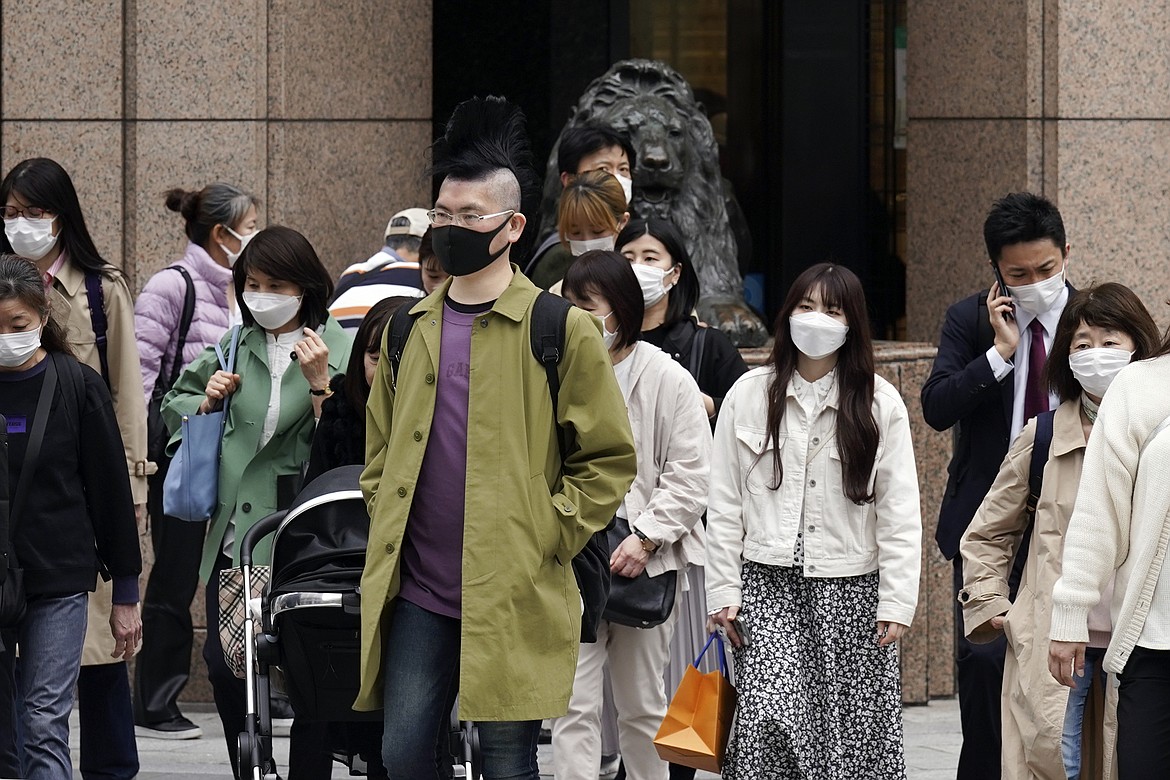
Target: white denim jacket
column 747, row 520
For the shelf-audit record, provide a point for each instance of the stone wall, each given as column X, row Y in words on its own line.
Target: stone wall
column 322, row 109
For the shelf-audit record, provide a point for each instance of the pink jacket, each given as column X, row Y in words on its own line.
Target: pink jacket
column 159, row 309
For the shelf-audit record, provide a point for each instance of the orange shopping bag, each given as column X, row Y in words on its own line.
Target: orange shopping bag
column 698, row 721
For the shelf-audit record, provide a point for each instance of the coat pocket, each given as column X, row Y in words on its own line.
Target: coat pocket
column 757, row 462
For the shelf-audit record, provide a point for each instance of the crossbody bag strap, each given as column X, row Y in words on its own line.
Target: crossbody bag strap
column 36, row 437
column 97, row 319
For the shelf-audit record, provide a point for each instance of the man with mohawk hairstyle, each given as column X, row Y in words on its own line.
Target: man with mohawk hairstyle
column 468, row 587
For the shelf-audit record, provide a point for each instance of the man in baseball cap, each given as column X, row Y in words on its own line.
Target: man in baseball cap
column 394, row 270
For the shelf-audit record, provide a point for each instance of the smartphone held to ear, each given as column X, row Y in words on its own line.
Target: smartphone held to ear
column 1003, row 290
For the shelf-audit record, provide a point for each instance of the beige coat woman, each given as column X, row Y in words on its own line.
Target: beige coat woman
column 70, row 307
column 1033, row 702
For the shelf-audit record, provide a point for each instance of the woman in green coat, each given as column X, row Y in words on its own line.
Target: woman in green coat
column 288, row 349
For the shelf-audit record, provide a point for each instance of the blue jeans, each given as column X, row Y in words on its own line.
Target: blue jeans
column 421, row 665
column 1074, row 713
column 50, row 639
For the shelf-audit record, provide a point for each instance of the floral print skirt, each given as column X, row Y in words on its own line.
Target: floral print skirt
column 817, row 698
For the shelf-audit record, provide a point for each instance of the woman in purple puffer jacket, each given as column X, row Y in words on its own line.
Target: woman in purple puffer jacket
column 220, row 220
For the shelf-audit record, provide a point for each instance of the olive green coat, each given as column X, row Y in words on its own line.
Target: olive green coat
column 248, row 472
column 523, row 523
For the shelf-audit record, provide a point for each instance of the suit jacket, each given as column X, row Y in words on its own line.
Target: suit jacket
column 962, row 394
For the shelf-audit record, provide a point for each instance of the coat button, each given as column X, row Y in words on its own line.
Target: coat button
column 418, row 435
column 390, row 548
column 812, row 483
column 246, row 507
column 812, row 568
column 430, row 379
column 483, row 323
column 402, row 492
column 816, row 440
column 812, row 529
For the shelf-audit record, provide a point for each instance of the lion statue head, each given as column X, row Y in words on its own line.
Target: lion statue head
column 677, row 178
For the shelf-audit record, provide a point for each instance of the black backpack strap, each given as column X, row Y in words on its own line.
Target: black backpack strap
column 1040, row 450
column 97, row 318
column 397, row 332
column 184, row 325
column 547, row 333
column 698, row 347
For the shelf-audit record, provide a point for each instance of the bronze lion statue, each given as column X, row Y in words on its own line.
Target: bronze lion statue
column 677, row 178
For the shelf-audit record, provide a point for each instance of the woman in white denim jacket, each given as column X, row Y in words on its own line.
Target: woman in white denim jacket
column 663, row 506
column 814, row 544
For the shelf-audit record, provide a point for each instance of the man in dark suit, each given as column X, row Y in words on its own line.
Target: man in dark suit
column 985, row 384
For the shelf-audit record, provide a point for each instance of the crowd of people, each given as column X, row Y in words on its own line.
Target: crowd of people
column 777, row 505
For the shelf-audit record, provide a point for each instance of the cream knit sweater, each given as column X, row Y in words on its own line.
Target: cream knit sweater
column 1121, row 521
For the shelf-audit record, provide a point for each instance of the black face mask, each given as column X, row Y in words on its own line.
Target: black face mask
column 462, row 251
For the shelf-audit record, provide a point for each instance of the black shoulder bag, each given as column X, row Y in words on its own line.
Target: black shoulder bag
column 12, row 597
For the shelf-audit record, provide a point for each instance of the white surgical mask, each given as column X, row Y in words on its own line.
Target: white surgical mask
column 1095, row 368
column 816, row 334
column 16, row 348
column 1039, row 297
column 232, row 257
column 652, row 281
column 605, row 334
column 272, row 310
column 627, row 186
column 31, row 238
column 605, row 243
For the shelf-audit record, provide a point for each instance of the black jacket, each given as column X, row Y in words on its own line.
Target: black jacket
column 721, row 364
column 962, row 394
column 80, row 512
column 340, row 438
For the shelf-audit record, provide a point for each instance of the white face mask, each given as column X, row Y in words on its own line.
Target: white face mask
column 605, row 243
column 816, row 334
column 627, row 186
column 31, row 238
column 16, row 348
column 608, row 337
column 272, row 310
column 652, row 281
column 232, row 257
column 1039, row 297
column 1095, row 368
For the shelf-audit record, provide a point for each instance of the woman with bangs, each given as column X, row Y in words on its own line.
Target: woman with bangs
column 1100, row 331
column 591, row 213
column 814, row 539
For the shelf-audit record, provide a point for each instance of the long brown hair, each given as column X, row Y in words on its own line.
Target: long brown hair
column 857, row 431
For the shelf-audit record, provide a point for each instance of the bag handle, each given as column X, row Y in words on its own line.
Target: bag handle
column 716, row 637
column 228, row 364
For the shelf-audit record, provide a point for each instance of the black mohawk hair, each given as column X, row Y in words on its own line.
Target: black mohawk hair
column 485, row 135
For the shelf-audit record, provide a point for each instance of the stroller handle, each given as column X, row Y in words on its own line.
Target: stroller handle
column 257, row 532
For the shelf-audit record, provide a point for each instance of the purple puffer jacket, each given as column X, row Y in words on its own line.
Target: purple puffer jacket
column 159, row 309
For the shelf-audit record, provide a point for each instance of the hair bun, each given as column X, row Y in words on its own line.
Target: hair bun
column 185, row 202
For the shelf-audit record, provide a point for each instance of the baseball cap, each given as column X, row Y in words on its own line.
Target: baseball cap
column 408, row 222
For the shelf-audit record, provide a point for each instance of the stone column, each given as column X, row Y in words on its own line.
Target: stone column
column 1063, row 98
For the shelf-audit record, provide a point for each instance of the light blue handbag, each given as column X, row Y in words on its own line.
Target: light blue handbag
column 191, row 489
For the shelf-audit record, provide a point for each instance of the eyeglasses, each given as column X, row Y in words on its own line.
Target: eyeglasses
column 440, row 218
column 28, row 212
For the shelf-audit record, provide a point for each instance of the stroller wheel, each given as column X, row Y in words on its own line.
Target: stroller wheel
column 245, row 757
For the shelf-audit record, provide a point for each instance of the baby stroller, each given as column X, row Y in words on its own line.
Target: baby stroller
column 310, row 616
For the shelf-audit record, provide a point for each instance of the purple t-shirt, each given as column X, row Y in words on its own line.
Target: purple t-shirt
column 432, row 549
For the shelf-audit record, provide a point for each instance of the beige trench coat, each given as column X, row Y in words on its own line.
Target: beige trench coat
column 70, row 307
column 1033, row 702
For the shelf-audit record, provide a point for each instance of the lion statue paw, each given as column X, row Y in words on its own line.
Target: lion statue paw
column 742, row 325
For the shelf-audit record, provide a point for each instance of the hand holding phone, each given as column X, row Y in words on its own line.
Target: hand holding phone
column 745, row 637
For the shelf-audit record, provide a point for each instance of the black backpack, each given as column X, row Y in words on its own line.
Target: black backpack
column 547, row 335
column 157, row 435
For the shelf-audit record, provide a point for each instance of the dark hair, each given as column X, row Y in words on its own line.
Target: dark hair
column 595, row 197
column 484, row 136
column 43, row 183
column 1019, row 218
column 215, row 204
column 684, row 296
column 285, row 254
column 368, row 338
column 583, row 140
column 20, row 279
column 426, row 247
column 857, row 431
column 1111, row 306
column 609, row 275
column 404, row 242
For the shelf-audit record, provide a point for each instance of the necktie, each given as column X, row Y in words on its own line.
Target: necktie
column 1035, row 394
